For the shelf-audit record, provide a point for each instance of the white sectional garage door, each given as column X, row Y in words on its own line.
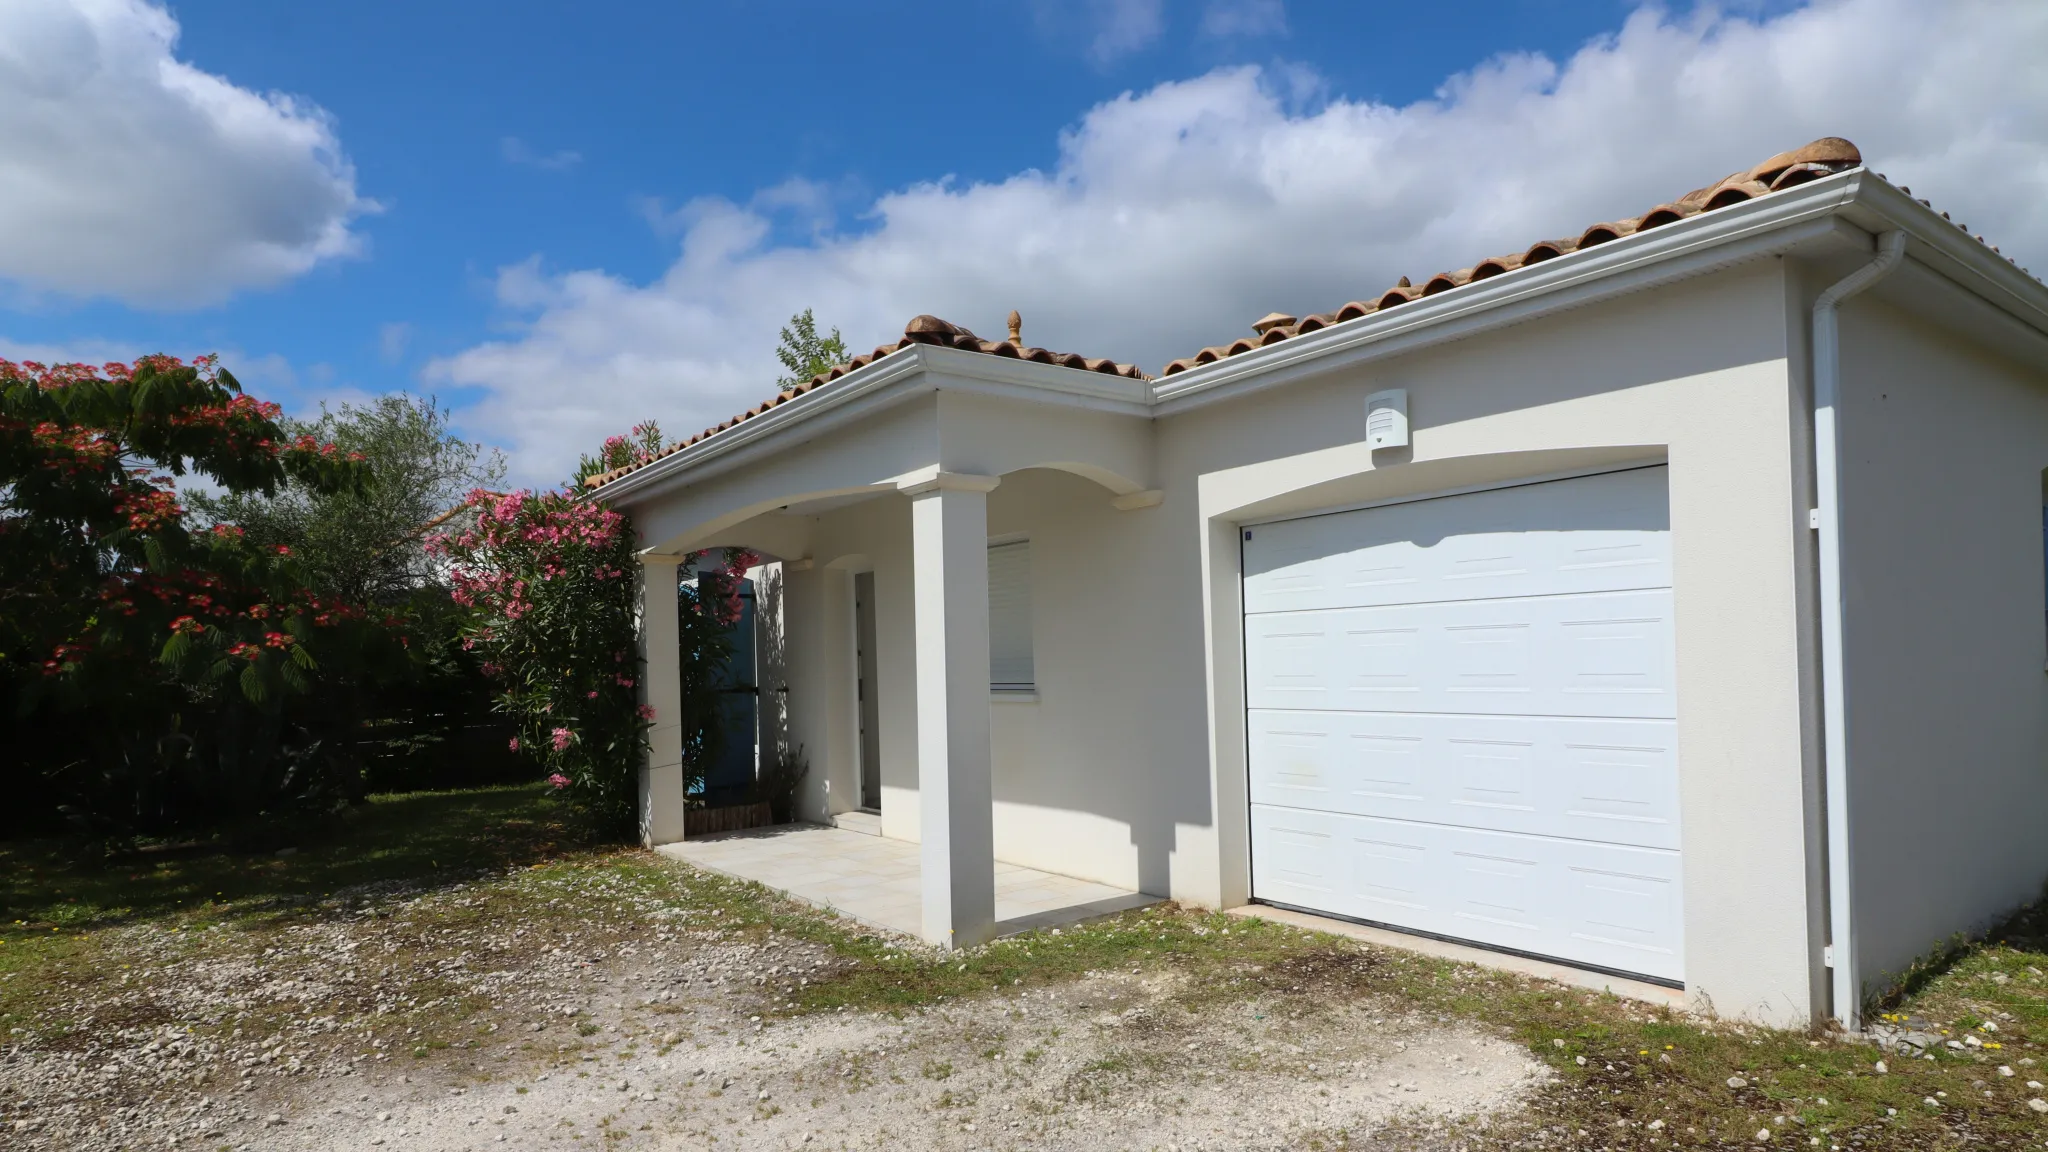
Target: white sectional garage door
column 1462, row 719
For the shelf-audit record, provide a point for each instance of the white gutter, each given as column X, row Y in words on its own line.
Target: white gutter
column 1827, row 470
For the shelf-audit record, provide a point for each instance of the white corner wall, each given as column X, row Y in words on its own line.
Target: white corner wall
column 1129, row 767
column 1079, row 788
column 1943, row 451
column 1695, row 374
column 1076, row 791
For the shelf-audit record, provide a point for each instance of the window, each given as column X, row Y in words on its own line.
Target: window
column 1009, row 618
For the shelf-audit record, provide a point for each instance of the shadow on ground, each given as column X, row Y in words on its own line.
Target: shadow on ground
column 423, row 839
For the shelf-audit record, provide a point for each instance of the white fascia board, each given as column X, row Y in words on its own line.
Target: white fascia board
column 1847, row 207
column 957, row 370
column 1840, row 209
column 899, row 376
column 1676, row 251
column 1946, row 249
column 882, row 384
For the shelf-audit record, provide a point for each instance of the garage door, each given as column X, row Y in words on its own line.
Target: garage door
column 1462, row 723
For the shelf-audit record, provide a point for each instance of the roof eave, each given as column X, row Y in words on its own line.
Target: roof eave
column 1673, row 251
column 1948, row 249
column 1856, row 202
column 1848, row 204
column 906, row 372
column 897, row 366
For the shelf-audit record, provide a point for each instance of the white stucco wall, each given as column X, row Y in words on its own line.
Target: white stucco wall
column 1073, row 769
column 872, row 536
column 1943, row 451
column 1129, row 767
column 1695, row 374
column 1078, row 780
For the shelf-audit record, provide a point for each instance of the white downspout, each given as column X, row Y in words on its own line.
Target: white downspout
column 1827, row 433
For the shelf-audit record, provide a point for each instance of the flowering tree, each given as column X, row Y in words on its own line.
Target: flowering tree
column 436, row 725
column 141, row 634
column 551, row 582
column 550, row 578
column 636, row 447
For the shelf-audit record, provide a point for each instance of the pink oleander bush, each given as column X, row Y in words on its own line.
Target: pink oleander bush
column 551, row 583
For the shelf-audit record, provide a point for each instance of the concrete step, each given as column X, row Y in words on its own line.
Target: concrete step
column 866, row 823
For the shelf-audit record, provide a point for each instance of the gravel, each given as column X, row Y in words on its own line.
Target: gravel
column 441, row 1020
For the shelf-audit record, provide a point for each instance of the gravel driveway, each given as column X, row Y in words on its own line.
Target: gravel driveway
column 598, row 1010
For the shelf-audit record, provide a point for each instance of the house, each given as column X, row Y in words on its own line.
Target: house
column 1667, row 601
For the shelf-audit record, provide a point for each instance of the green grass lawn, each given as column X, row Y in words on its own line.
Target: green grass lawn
column 415, row 838
column 1621, row 1067
column 57, row 906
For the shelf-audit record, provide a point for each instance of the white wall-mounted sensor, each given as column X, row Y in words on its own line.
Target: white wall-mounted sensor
column 1386, row 419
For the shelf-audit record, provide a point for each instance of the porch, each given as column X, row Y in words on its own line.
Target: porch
column 928, row 597
column 876, row 880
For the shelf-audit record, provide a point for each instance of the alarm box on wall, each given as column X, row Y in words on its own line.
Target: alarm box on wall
column 1386, row 419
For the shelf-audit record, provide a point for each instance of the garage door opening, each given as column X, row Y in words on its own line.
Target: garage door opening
column 1462, row 722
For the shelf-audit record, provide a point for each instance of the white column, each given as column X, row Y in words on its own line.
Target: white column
column 949, row 547
column 661, row 685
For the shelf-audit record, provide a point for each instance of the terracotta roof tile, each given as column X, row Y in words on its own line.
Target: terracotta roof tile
column 920, row 330
column 1823, row 157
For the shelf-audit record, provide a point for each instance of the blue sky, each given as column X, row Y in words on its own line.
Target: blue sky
column 561, row 218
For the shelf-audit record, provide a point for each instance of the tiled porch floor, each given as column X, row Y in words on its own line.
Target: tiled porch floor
column 875, row 880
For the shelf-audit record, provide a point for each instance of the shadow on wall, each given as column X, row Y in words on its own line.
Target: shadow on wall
column 1557, row 507
column 1119, row 729
column 771, row 645
column 1096, row 742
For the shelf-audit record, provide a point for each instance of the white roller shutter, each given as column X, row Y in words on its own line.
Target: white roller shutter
column 1462, row 719
column 1010, row 667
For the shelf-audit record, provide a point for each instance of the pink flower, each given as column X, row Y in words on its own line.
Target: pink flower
column 559, row 780
column 561, row 739
column 515, row 743
column 646, row 711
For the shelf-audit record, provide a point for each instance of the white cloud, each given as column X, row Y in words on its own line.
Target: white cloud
column 1175, row 217
column 804, row 204
column 392, row 341
column 517, row 151
column 127, row 173
column 87, row 351
column 1112, row 28
column 1223, row 18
